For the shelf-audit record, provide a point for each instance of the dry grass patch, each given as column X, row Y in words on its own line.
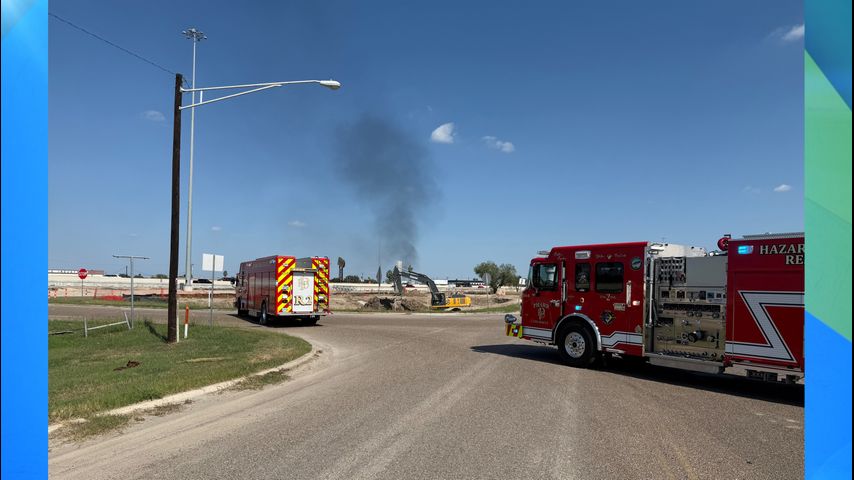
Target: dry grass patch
column 257, row 382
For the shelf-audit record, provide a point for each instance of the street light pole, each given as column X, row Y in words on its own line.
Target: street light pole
column 196, row 36
column 172, row 310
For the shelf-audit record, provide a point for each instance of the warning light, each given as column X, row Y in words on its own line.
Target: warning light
column 745, row 249
column 578, row 308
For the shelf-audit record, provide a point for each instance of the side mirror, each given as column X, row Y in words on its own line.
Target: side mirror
column 509, row 318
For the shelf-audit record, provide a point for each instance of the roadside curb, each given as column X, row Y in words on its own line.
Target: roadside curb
column 181, row 397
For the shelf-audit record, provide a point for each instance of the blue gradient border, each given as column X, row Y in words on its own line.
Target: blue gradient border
column 23, row 231
column 23, row 359
column 828, row 417
column 827, row 114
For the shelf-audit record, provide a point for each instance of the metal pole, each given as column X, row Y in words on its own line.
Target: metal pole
column 650, row 295
column 172, row 310
column 131, row 289
column 132, row 295
column 188, row 253
column 210, row 301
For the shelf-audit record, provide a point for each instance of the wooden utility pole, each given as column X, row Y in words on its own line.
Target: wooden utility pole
column 172, row 311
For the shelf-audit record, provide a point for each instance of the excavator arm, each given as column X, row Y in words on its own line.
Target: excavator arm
column 437, row 298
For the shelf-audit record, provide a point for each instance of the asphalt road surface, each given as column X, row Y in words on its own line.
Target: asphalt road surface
column 450, row 397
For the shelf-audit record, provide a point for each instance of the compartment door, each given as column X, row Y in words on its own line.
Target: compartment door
column 303, row 292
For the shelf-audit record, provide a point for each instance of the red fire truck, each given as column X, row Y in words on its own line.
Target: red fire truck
column 283, row 286
column 736, row 310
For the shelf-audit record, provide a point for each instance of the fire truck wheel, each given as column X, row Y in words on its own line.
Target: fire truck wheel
column 262, row 314
column 575, row 346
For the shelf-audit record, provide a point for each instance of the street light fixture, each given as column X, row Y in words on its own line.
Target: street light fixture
column 253, row 87
column 172, row 311
column 331, row 84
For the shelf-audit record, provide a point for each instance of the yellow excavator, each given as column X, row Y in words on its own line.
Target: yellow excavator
column 438, row 300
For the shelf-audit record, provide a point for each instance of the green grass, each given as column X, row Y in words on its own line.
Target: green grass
column 83, row 380
column 194, row 303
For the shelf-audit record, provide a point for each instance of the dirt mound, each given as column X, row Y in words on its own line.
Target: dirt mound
column 394, row 304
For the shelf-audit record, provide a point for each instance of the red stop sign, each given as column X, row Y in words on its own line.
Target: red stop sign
column 82, row 273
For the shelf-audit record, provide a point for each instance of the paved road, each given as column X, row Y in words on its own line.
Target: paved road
column 448, row 396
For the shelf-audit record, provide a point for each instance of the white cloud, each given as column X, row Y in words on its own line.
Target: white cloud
column 443, row 134
column 492, row 142
column 750, row 189
column 216, row 228
column 296, row 223
column 794, row 34
column 153, row 115
column 782, row 188
column 788, row 34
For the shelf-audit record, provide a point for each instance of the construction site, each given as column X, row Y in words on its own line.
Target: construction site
column 412, row 292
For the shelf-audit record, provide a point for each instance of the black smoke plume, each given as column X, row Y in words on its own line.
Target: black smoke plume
column 391, row 173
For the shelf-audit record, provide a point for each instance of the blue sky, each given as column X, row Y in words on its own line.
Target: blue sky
column 571, row 122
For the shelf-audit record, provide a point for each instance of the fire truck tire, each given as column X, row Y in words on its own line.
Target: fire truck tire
column 576, row 346
column 310, row 320
column 262, row 314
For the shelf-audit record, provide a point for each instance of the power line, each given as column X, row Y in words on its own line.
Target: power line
column 140, row 57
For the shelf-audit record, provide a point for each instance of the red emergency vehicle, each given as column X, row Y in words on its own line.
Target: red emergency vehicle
column 283, row 286
column 736, row 310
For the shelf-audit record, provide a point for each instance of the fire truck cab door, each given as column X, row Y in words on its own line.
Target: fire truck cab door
column 613, row 301
column 303, row 292
column 542, row 299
